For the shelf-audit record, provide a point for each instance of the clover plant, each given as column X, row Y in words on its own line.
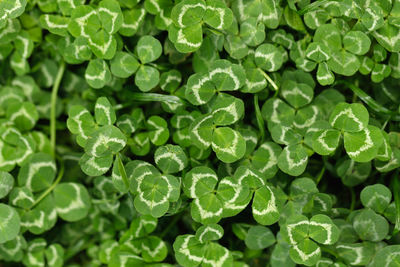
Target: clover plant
column 210, row 133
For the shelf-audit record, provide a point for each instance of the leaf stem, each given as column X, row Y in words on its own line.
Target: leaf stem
column 269, row 79
column 152, row 97
column 48, row 191
column 321, row 173
column 260, row 121
column 396, row 194
column 53, row 121
column 122, row 172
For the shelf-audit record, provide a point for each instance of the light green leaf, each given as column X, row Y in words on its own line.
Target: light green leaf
column 349, row 117
column 344, row 63
column 227, row 109
column 80, row 122
column 106, row 140
column 363, row 146
column 55, row 24
column 265, row 159
column 123, row 65
column 217, row 255
column 9, row 223
column 323, row 230
column 188, row 250
column 324, row 75
column 210, row 232
column 23, row 115
column 201, row 131
column 147, row 78
column 293, row 160
column 390, row 255
column 110, row 15
column 148, row 49
column 6, row 183
column 188, row 13
column 325, row 142
column 306, row 252
column 318, row 52
column 376, row 197
column 259, row 237
column 187, row 39
column 370, row 226
column 97, row 73
column 218, row 15
column 104, row 112
column 38, row 173
column 264, row 208
column 356, row 42
column 199, row 181
column 275, row 111
column 95, row 166
column 268, row 57
column 72, row 201
column 206, row 209
column 388, row 37
column 228, row 144
column 170, row 158
column 55, row 255
column 158, row 130
column 10, row 9
column 154, row 249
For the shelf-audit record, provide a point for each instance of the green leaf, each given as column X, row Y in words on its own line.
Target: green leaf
column 170, row 158
column 306, row 252
column 187, row 39
column 344, row 63
column 210, row 232
column 259, row 237
column 95, row 166
column 154, row 249
column 318, row 52
column 376, row 197
column 356, row 42
column 278, row 112
column 39, row 173
column 188, row 13
column 72, row 201
column 323, row 230
column 268, row 57
column 55, row 24
column 97, row 73
column 158, row 130
column 6, row 183
column 11, row 9
column 389, row 255
column 228, row 144
column 218, row 15
column 110, row 15
column 188, row 250
column 217, row 255
column 147, row 78
column 23, row 115
column 293, row 160
column 325, row 142
column 349, row 117
column 199, row 181
column 148, row 49
column 370, row 226
column 9, row 223
column 105, row 141
column 363, row 146
column 104, row 112
column 227, row 109
column 201, row 131
column 123, row 65
column 265, row 159
column 264, row 206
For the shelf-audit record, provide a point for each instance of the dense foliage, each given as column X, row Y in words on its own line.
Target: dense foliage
column 199, row 133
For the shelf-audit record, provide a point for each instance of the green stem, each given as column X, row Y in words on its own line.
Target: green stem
column 171, row 224
column 353, row 199
column 329, row 251
column 53, row 121
column 321, row 173
column 48, row 191
column 260, row 120
column 396, row 194
column 269, row 79
column 152, row 97
column 122, row 172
